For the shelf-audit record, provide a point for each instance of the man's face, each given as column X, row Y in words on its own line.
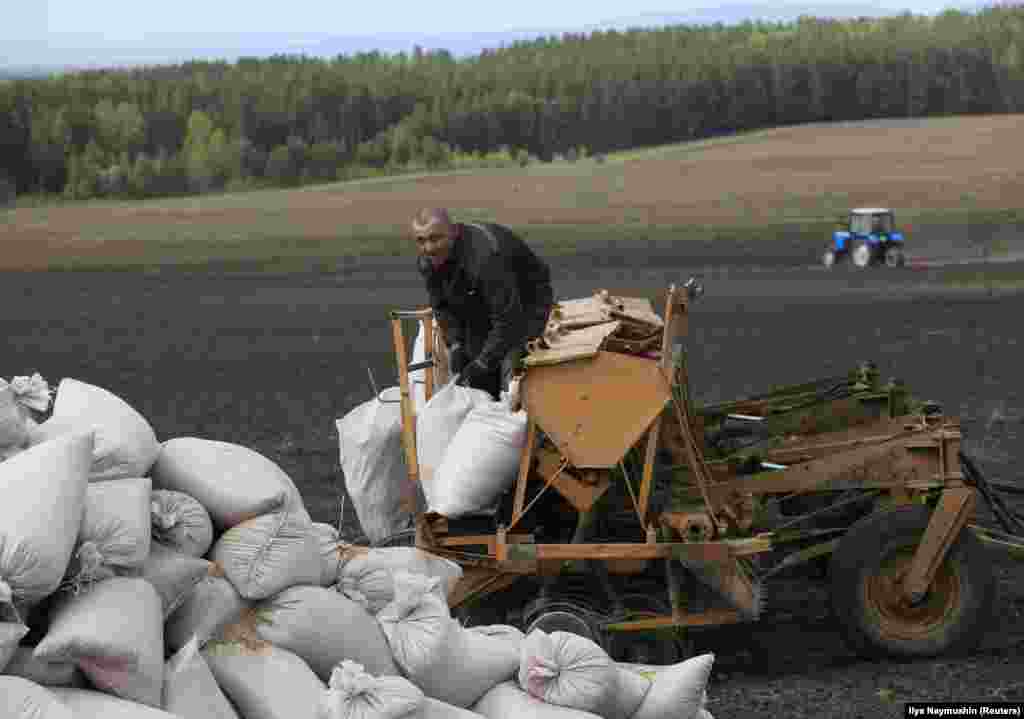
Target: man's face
column 436, row 246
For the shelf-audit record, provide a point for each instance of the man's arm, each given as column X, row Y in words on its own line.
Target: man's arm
column 501, row 294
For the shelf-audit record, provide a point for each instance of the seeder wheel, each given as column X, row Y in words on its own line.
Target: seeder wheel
column 867, row 568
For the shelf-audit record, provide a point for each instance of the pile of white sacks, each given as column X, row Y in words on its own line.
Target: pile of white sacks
column 186, row 579
column 468, row 448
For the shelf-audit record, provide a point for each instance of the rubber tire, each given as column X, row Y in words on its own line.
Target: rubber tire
column 894, row 257
column 857, row 560
column 856, row 251
column 829, row 258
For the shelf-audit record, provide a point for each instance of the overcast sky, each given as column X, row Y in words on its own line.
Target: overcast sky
column 33, row 30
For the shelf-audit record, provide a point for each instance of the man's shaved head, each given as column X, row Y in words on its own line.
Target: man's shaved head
column 432, row 221
column 434, row 233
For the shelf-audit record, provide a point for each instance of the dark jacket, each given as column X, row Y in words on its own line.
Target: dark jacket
column 492, row 295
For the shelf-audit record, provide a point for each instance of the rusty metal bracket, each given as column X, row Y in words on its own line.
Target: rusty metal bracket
column 951, row 514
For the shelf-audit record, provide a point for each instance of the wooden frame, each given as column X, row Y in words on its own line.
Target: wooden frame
column 905, row 455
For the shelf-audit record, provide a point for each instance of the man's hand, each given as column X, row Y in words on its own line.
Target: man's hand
column 458, row 359
column 471, row 373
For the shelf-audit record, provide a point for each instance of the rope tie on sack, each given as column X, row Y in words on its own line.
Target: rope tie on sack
column 541, row 666
column 31, row 392
column 165, row 519
column 91, row 568
column 7, row 603
column 351, row 679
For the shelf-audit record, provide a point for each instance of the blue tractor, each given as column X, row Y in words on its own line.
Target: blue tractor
column 868, row 238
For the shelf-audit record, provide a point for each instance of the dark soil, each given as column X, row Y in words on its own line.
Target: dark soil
column 272, row 361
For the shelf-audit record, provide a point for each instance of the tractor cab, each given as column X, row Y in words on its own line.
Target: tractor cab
column 868, row 236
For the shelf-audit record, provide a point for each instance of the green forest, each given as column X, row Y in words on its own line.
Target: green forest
column 283, row 121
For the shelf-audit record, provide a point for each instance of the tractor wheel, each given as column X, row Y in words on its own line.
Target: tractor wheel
column 867, row 569
column 828, row 258
column 652, row 648
column 894, row 257
column 861, row 254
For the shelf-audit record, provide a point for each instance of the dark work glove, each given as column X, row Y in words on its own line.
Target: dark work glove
column 457, row 360
column 471, row 373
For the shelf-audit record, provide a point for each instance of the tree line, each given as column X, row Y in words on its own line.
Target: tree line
column 285, row 120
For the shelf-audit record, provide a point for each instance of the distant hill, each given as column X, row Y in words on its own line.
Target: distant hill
column 71, row 52
column 23, row 73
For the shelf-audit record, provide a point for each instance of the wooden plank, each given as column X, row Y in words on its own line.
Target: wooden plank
column 654, row 435
column 954, row 509
column 648, row 475
column 580, row 312
column 408, row 410
column 569, row 346
column 487, row 540
column 428, row 355
column 525, row 462
column 682, row 410
column 708, row 618
column 872, row 466
column 703, row 551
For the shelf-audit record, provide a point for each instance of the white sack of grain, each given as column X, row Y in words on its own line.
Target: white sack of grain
column 190, row 689
column 263, row 681
column 367, row 575
column 114, row 633
column 233, row 483
column 43, row 490
column 181, row 522
column 174, row 575
column 373, row 463
column 566, row 669
column 90, row 704
column 354, row 693
column 22, row 699
column 630, row 689
column 437, row 653
column 481, row 462
column 116, row 530
column 18, row 400
column 490, row 658
column 436, row 426
column 10, row 634
column 330, row 553
column 436, row 709
column 324, row 628
column 678, row 691
column 509, row 701
column 416, row 624
column 24, row 664
column 263, row 556
column 212, row 604
column 126, row 445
